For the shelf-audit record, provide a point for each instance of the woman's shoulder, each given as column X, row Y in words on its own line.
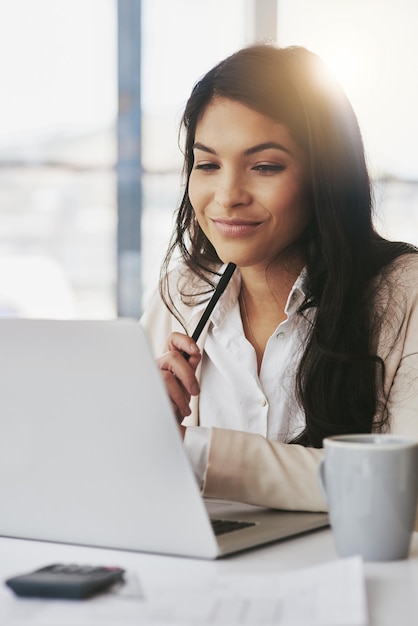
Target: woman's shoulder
column 180, row 284
column 183, row 293
column 403, row 271
column 186, row 288
column 396, row 287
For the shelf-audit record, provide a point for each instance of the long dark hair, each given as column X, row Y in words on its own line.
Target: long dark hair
column 339, row 376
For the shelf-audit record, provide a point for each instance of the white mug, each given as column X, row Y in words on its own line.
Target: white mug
column 370, row 483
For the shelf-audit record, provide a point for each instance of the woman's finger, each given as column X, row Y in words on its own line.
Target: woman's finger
column 182, row 343
column 179, row 372
column 180, row 399
column 174, row 363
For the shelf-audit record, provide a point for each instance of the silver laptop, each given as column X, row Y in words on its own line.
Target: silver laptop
column 90, row 452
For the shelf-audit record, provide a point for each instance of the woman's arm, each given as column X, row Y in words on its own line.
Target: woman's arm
column 398, row 346
column 252, row 469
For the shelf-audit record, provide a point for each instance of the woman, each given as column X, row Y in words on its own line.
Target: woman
column 317, row 331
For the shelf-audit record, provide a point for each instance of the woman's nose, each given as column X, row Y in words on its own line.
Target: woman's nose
column 231, row 190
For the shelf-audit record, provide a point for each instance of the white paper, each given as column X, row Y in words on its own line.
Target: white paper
column 331, row 594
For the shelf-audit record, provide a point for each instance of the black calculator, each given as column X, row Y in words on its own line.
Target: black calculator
column 65, row 581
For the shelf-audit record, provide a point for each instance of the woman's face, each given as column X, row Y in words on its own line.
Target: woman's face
column 248, row 184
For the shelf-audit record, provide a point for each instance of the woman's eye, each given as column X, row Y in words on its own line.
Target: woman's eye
column 206, row 167
column 269, row 168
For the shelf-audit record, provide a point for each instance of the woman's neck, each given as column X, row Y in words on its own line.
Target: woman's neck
column 262, row 300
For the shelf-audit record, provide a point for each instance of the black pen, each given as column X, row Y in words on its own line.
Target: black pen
column 220, row 288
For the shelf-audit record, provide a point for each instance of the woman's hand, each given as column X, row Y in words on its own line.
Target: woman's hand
column 179, row 373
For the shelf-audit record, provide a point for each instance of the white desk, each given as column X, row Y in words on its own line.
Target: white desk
column 392, row 588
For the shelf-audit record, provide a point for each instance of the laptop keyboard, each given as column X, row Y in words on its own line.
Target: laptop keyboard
column 222, row 526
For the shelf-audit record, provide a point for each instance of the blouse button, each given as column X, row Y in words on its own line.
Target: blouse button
column 263, row 402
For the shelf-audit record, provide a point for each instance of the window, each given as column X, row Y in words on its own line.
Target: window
column 57, row 157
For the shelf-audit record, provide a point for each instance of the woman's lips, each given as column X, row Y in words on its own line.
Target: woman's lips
column 235, row 228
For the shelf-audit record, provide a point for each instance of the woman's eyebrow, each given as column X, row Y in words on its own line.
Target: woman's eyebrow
column 200, row 146
column 267, row 145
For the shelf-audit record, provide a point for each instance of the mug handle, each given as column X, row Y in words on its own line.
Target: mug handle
column 321, row 478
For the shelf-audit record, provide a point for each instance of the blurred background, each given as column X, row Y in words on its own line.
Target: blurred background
column 91, row 96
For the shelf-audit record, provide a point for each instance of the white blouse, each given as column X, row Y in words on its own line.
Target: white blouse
column 233, row 395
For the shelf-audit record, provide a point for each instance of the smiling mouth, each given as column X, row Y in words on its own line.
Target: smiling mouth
column 235, row 228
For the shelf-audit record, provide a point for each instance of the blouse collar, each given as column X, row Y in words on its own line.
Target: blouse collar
column 230, row 297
